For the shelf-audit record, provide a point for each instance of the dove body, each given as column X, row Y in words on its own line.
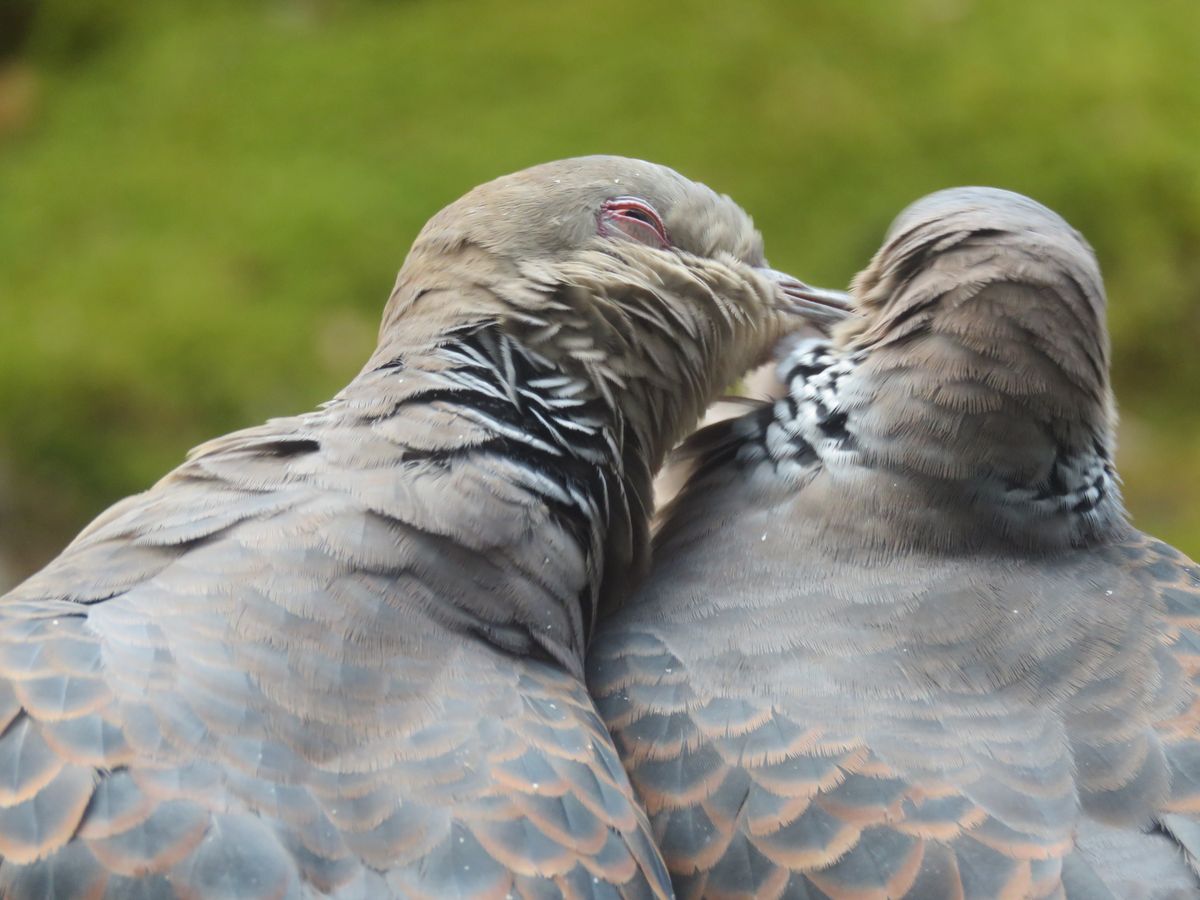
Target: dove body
column 340, row 654
column 900, row 639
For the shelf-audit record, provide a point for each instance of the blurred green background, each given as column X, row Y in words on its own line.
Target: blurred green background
column 202, row 206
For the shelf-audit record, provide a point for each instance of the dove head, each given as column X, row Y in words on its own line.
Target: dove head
column 983, row 354
column 1016, row 240
column 556, row 210
column 648, row 286
column 579, row 315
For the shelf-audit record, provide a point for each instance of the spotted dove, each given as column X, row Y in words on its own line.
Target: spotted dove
column 900, row 639
column 342, row 653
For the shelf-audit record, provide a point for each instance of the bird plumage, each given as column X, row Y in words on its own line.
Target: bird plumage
column 899, row 639
column 341, row 653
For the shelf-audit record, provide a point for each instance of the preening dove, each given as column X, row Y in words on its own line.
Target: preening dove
column 342, row 653
column 900, row 639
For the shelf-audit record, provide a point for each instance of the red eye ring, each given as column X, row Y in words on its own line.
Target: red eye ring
column 634, row 218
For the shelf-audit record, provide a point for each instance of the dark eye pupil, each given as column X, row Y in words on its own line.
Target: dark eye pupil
column 640, row 215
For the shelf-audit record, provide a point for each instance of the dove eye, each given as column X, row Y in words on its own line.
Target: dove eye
column 634, row 218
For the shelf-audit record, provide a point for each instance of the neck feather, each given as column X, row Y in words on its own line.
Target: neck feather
column 980, row 457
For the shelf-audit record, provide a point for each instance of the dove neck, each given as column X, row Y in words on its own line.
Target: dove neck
column 626, row 352
column 555, row 463
column 1006, row 449
column 575, row 377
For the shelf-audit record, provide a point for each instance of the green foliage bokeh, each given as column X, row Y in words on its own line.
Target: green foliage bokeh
column 202, row 206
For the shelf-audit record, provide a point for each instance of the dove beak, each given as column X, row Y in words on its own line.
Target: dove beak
column 818, row 306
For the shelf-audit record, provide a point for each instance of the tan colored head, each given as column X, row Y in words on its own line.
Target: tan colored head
column 652, row 287
column 950, row 246
column 572, row 321
column 981, row 359
column 554, row 210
